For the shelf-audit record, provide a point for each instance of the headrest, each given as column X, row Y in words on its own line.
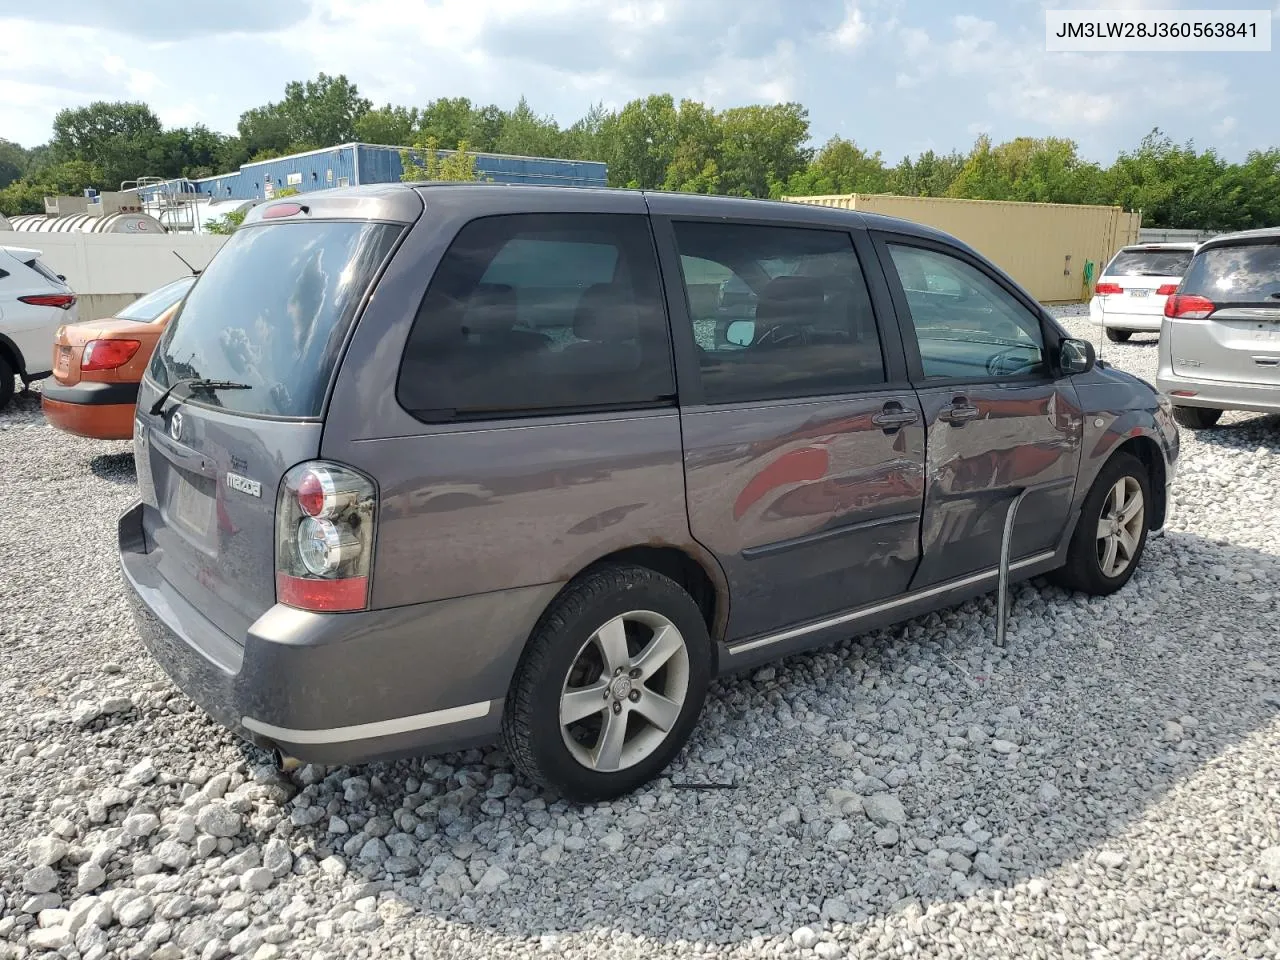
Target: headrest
column 607, row 314
column 492, row 308
column 790, row 299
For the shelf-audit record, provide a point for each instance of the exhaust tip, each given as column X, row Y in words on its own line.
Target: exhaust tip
column 285, row 764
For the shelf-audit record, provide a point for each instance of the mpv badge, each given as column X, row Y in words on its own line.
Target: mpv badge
column 236, row 482
column 175, row 425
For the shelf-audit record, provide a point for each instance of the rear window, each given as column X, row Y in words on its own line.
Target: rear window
column 145, row 309
column 1149, row 263
column 272, row 310
column 1239, row 273
column 45, row 272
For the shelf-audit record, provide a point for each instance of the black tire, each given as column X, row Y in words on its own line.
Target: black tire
column 6, row 382
column 531, row 728
column 1119, row 336
column 1196, row 418
column 1083, row 570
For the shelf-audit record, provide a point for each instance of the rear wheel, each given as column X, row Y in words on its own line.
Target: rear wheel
column 1118, row 336
column 610, row 685
column 6, row 383
column 1196, row 418
column 1112, row 531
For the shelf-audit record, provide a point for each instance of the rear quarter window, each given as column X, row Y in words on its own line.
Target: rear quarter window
column 1236, row 273
column 539, row 314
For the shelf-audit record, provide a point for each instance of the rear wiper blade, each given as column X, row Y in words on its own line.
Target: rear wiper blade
column 197, row 383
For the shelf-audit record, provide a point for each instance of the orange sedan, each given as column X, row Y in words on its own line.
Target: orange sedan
column 98, row 364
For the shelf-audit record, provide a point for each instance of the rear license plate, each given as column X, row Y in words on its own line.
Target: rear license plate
column 1139, row 293
column 64, row 358
column 192, row 507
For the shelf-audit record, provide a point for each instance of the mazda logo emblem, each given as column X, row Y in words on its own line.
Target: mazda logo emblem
column 175, row 425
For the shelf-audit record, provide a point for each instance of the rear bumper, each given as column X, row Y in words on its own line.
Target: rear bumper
column 1137, row 322
column 339, row 688
column 91, row 393
column 1218, row 394
column 109, row 421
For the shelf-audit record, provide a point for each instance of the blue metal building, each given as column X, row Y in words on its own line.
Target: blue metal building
column 351, row 164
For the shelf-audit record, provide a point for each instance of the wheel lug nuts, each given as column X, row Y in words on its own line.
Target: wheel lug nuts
column 617, row 706
column 635, row 695
column 635, row 673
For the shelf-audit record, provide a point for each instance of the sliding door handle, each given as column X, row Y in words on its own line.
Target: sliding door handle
column 958, row 412
column 894, row 417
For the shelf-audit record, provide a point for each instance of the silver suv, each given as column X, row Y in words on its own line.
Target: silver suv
column 1220, row 340
column 425, row 467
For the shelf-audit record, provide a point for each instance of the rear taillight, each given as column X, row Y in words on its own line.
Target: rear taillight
column 1106, row 288
column 63, row 301
column 1182, row 306
column 1167, row 290
column 325, row 516
column 108, row 354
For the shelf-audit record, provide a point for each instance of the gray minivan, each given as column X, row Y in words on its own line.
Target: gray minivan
column 422, row 467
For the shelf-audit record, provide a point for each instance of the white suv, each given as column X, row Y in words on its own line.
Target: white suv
column 34, row 302
column 1130, row 294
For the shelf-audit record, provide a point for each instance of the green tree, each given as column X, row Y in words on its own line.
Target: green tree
column 640, row 142
column 227, row 223
column 526, row 134
column 841, row 166
column 395, row 126
column 13, row 162
column 762, row 146
column 929, row 175
column 425, row 161
column 115, row 137
column 317, row 113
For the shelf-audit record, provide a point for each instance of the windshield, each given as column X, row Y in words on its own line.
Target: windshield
column 272, row 310
column 147, row 308
column 1240, row 273
column 1149, row 263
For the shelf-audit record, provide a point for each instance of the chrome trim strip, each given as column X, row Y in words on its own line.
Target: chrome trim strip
column 831, row 533
column 903, row 600
column 379, row 728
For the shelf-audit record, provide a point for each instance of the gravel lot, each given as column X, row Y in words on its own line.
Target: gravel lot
column 1107, row 785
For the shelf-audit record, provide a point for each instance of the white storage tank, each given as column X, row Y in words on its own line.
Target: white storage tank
column 133, row 223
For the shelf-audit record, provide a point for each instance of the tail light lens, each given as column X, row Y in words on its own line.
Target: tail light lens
column 108, row 354
column 1106, row 288
column 1182, row 306
column 1167, row 290
column 325, row 517
column 63, row 301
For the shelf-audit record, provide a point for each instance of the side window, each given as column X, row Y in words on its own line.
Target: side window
column 538, row 313
column 966, row 324
column 777, row 311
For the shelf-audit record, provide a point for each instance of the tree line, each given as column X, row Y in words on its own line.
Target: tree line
column 655, row 142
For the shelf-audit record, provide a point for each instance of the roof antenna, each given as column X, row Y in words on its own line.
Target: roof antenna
column 194, row 271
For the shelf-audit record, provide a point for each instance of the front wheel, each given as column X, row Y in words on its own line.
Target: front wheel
column 610, row 685
column 1112, row 531
column 1118, row 336
column 1196, row 418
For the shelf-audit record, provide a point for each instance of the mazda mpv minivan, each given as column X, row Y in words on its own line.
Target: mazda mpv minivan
column 424, row 467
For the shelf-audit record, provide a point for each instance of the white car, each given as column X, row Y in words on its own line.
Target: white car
column 1130, row 294
column 34, row 302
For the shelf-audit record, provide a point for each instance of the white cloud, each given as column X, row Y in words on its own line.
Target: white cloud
column 853, row 29
column 1224, row 127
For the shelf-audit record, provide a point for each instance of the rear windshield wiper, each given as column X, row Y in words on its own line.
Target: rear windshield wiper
column 197, row 383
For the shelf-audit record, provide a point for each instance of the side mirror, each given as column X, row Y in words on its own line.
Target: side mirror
column 741, row 332
column 1075, row 356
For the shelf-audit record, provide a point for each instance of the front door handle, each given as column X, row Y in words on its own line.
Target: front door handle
column 893, row 417
column 959, row 411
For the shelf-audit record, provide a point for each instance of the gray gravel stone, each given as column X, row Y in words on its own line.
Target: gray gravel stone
column 46, row 851
column 40, row 879
column 884, row 809
column 218, row 820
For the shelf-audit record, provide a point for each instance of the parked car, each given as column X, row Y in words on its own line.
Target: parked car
column 33, row 302
column 1130, row 294
column 97, row 365
column 846, row 461
column 1220, row 343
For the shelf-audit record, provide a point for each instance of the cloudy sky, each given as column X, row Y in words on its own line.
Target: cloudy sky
column 899, row 76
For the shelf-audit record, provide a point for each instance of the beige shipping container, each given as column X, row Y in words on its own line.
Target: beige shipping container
column 1044, row 246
